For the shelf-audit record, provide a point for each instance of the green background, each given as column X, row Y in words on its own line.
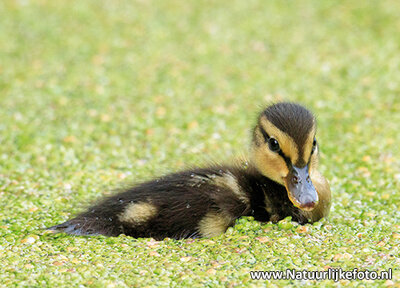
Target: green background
column 99, row 94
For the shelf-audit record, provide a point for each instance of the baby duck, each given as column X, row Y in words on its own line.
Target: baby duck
column 280, row 179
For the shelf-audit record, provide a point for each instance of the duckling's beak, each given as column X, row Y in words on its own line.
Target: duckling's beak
column 301, row 190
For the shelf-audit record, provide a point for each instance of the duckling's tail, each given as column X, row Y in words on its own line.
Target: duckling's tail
column 88, row 226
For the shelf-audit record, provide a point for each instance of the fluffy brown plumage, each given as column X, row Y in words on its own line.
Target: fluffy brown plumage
column 279, row 180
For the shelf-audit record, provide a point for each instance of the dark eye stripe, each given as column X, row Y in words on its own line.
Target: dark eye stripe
column 264, row 133
column 280, row 152
column 314, row 147
column 287, row 159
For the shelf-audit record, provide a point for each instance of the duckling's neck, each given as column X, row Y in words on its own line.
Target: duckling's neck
column 268, row 199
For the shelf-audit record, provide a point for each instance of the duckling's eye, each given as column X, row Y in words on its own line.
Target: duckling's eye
column 314, row 145
column 273, row 144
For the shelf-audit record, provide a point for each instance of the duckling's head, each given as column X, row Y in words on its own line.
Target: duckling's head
column 284, row 149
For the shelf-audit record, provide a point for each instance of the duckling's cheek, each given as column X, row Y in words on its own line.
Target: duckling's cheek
column 271, row 165
column 314, row 161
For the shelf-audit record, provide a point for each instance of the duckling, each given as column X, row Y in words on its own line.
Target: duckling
column 279, row 179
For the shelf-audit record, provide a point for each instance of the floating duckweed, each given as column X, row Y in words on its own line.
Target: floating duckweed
column 75, row 113
column 285, row 224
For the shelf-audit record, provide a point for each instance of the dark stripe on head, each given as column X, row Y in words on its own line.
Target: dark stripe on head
column 264, row 133
column 266, row 138
column 300, row 162
column 292, row 119
column 287, row 160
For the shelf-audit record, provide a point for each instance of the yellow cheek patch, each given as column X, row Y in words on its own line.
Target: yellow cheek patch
column 314, row 160
column 138, row 213
column 214, row 224
column 308, row 145
column 258, row 138
column 269, row 164
column 286, row 143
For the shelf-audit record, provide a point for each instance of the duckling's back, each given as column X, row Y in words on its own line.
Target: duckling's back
column 188, row 204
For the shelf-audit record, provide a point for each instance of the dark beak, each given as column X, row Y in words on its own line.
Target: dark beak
column 300, row 189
